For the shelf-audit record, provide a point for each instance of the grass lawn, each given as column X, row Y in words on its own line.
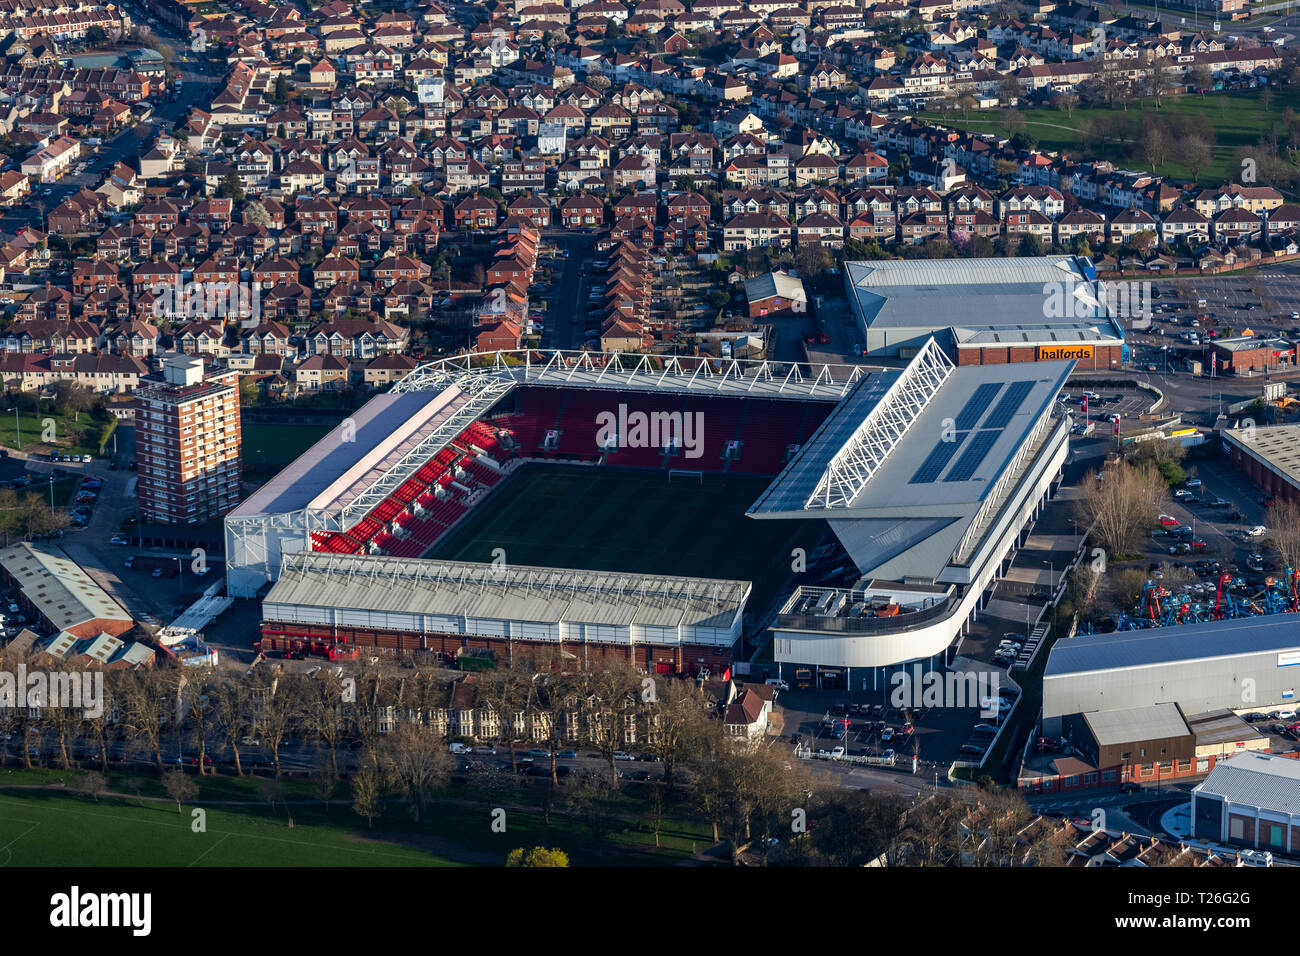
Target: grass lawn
column 50, row 828
column 60, row 828
column 269, row 448
column 565, row 516
column 1239, row 119
column 75, row 437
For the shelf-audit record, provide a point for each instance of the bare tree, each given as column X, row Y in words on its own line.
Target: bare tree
column 179, row 786
column 680, row 719
column 145, row 701
column 367, row 794
column 232, row 712
column 91, row 784
column 1196, row 156
column 1284, row 532
column 322, row 709
column 279, row 713
column 416, row 763
column 195, row 688
column 1123, row 501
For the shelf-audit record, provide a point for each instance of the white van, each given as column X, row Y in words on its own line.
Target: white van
column 458, row 748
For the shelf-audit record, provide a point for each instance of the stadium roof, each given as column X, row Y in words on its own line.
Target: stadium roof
column 373, row 451
column 521, row 593
column 1277, row 445
column 635, row 372
column 1269, row 781
column 353, row 448
column 1173, row 645
column 58, row 587
column 910, row 462
column 931, row 293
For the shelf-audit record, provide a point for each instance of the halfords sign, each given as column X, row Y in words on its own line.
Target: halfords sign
column 1058, row 353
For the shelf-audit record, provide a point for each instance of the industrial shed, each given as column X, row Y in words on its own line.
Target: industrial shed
column 987, row 311
column 60, row 594
column 1240, row 664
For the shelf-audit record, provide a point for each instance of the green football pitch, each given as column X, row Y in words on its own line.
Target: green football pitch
column 570, row 516
column 41, row 828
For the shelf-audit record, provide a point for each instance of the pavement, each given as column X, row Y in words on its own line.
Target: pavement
column 566, row 312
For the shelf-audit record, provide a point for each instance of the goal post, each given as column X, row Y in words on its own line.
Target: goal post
column 686, row 474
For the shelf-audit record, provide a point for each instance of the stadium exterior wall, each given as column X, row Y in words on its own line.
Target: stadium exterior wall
column 546, row 655
column 826, row 649
column 255, row 544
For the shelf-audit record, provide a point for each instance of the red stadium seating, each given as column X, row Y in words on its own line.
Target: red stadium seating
column 765, row 429
column 409, row 490
column 332, row 542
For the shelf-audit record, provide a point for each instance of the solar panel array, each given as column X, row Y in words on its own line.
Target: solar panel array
column 974, row 407
column 975, row 453
column 937, row 460
column 1009, row 404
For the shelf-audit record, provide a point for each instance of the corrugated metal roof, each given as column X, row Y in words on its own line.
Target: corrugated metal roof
column 514, row 592
column 1266, row 781
column 58, row 587
column 1221, row 727
column 931, row 293
column 1156, row 722
column 1279, row 445
column 1171, row 645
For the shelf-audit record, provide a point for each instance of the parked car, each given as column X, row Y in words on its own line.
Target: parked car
column 1129, row 786
column 620, row 755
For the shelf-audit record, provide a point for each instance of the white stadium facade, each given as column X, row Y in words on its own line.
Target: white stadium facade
column 928, row 476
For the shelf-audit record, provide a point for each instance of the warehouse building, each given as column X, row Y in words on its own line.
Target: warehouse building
column 1154, row 744
column 1250, row 800
column 990, row 311
column 1240, row 664
column 60, row 595
column 1269, row 455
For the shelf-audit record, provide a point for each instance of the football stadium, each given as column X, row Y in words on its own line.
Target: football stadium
column 591, row 507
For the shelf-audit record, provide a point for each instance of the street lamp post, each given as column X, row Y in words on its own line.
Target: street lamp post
column 19, row 427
